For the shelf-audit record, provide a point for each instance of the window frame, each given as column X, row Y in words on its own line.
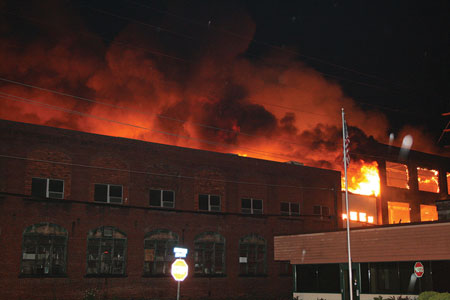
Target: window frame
column 108, row 193
column 289, row 212
column 200, row 247
column 100, row 244
column 47, row 187
column 323, row 210
column 253, row 241
column 209, row 203
column 161, row 200
column 35, row 237
column 252, row 209
column 168, row 253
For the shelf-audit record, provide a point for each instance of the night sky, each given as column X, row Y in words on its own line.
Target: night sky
column 223, row 63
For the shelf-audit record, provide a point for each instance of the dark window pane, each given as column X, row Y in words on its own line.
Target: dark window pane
column 39, row 187
column 56, row 186
column 155, row 198
column 246, row 203
column 295, row 209
column 307, row 278
column 115, row 191
column 316, row 210
column 168, row 196
column 284, row 208
column 327, row 275
column 101, row 193
column 325, row 211
column 214, row 200
column 203, row 202
column 257, row 204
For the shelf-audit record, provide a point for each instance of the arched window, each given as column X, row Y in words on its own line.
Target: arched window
column 44, row 249
column 252, row 255
column 106, row 251
column 158, row 252
column 209, row 254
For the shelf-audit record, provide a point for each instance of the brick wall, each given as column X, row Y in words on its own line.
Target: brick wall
column 86, row 159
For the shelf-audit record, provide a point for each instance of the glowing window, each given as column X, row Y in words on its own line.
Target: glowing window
column 353, row 216
column 428, row 213
column 362, row 217
column 370, row 219
column 398, row 212
column 397, row 175
column 344, row 216
column 448, row 183
column 428, row 180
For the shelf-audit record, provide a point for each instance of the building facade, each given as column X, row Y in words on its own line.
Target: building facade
column 83, row 213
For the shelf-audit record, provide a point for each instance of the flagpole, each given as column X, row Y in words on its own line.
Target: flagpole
column 344, row 137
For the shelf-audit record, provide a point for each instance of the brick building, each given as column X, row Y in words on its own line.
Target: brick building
column 80, row 211
column 411, row 225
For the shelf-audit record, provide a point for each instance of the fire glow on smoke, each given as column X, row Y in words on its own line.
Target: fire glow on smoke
column 197, row 94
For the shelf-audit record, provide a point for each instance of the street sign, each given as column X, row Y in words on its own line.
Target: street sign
column 418, row 269
column 179, row 269
column 180, row 252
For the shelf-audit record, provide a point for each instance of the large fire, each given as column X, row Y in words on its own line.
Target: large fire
column 363, row 178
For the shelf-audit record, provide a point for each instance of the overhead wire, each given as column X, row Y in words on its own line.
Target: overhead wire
column 156, row 114
column 246, row 38
column 39, row 103
column 159, row 53
column 163, row 175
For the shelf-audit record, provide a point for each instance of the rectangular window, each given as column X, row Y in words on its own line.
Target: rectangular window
column 397, row 175
column 399, row 212
column 321, row 210
column 320, row 278
column 251, row 206
column 108, row 193
column 208, row 202
column 396, row 278
column 448, row 183
column 162, row 198
column 428, row 213
column 428, row 180
column 290, row 208
column 47, row 188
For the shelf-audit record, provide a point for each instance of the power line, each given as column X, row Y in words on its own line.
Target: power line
column 35, row 102
column 163, row 175
column 158, row 53
column 96, row 36
column 246, row 38
column 158, row 115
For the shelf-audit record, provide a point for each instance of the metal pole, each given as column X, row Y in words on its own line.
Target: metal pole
column 178, row 291
column 350, row 280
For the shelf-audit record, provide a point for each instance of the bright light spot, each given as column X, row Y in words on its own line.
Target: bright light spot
column 370, row 219
column 362, row 217
column 407, row 142
column 353, row 216
column 391, row 139
column 344, row 216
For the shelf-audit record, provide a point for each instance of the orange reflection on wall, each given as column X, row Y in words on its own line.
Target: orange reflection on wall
column 428, row 213
column 398, row 212
column 428, row 180
column 448, row 183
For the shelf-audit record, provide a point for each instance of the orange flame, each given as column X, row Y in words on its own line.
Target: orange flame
column 428, row 180
column 363, row 178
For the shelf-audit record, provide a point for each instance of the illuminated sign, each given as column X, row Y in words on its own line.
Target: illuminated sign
column 180, row 252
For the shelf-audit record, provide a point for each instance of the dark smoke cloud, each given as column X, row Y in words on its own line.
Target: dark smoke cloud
column 206, row 80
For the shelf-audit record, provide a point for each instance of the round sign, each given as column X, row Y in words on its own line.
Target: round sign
column 418, row 269
column 179, row 269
